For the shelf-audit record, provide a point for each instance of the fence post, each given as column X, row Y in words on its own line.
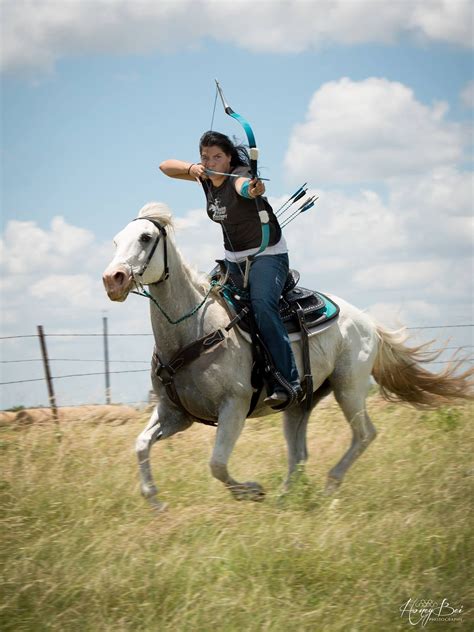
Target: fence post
column 106, row 361
column 47, row 372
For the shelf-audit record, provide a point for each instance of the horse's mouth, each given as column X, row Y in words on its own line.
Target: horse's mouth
column 117, row 282
column 119, row 297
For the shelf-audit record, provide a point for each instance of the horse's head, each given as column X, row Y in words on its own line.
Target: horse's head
column 141, row 253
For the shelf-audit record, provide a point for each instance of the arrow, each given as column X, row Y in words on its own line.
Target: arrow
column 305, row 207
column 298, row 194
column 231, row 175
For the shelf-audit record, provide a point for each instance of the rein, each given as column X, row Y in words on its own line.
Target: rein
column 146, row 294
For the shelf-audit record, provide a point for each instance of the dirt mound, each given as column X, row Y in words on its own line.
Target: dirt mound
column 117, row 414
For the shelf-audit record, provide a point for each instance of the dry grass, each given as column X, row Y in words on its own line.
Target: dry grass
column 83, row 552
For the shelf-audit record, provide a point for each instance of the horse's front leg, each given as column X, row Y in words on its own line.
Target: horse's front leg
column 155, row 431
column 231, row 422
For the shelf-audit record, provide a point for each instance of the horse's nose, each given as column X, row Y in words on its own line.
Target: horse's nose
column 119, row 278
column 117, row 282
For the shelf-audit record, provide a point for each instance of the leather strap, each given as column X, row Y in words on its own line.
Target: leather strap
column 166, row 372
column 308, row 377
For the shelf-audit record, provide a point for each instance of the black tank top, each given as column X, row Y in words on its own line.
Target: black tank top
column 238, row 215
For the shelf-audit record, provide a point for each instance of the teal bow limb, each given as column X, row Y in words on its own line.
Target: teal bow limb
column 253, row 149
column 254, row 154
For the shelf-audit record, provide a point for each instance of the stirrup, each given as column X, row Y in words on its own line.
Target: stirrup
column 276, row 399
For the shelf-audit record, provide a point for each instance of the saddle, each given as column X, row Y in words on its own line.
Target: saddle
column 301, row 310
column 298, row 305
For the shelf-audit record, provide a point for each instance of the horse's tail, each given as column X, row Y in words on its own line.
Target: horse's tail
column 399, row 371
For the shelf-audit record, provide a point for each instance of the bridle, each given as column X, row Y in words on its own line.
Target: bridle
column 162, row 233
column 141, row 291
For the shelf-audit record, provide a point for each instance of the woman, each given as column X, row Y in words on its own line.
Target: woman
column 231, row 202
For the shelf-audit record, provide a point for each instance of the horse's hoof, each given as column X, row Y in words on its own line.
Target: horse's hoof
column 332, row 486
column 157, row 506
column 148, row 491
column 248, row 491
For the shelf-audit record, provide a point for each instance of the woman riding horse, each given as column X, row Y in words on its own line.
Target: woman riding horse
column 231, row 195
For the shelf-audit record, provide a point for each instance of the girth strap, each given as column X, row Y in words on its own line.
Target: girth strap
column 166, row 372
column 308, row 377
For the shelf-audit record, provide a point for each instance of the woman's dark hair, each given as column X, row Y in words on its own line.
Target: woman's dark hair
column 238, row 153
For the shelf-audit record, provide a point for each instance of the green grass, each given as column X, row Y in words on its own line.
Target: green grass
column 82, row 550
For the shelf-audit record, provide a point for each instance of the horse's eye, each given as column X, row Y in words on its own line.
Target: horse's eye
column 145, row 238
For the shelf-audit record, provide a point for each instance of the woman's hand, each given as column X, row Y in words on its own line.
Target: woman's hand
column 256, row 187
column 183, row 170
column 249, row 188
column 198, row 170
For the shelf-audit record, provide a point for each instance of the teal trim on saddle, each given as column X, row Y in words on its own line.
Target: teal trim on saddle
column 330, row 308
column 298, row 303
column 229, row 292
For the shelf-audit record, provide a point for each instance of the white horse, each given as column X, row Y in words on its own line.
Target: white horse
column 216, row 386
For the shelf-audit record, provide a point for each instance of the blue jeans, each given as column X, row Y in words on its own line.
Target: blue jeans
column 267, row 278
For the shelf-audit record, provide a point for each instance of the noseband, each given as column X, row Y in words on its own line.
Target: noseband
column 162, row 233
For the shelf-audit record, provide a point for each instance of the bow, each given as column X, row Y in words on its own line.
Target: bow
column 253, row 152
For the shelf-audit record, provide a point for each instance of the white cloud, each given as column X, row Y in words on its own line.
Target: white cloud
column 467, row 95
column 48, row 271
column 443, row 20
column 444, row 190
column 371, row 130
column 28, row 247
column 38, row 33
column 438, row 211
column 52, row 276
column 397, row 314
column 400, row 275
column 75, row 290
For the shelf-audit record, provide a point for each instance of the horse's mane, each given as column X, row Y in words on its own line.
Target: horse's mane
column 158, row 211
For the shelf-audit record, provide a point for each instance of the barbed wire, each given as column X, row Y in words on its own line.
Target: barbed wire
column 101, row 335
column 74, row 335
column 440, row 326
column 60, row 377
column 148, row 361
column 80, row 360
column 69, row 335
column 47, row 408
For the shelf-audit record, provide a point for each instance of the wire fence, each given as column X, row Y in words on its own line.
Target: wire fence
column 107, row 372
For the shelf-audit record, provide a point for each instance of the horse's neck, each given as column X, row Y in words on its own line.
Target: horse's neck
column 179, row 295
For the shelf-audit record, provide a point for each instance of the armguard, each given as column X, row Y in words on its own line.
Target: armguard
column 244, row 191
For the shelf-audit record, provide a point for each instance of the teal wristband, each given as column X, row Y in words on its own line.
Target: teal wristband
column 244, row 191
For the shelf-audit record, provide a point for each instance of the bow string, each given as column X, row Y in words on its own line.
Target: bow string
column 254, row 154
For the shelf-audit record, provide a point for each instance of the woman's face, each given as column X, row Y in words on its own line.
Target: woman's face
column 215, row 158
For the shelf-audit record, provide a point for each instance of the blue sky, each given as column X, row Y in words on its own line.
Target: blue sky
column 373, row 107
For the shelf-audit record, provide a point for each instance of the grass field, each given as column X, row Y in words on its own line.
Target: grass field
column 83, row 552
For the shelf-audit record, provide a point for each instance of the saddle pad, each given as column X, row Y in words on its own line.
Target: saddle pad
column 318, row 309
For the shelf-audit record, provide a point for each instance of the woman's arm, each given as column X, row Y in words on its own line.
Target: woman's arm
column 182, row 170
column 249, row 188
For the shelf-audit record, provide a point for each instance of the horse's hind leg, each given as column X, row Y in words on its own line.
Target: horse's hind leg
column 295, row 423
column 351, row 399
